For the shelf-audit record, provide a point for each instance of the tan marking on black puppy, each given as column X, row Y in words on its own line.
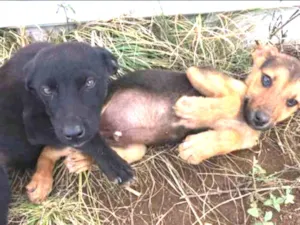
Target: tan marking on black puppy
column 41, row 183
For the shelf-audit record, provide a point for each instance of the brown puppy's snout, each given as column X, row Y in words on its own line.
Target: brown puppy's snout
column 260, row 118
column 257, row 118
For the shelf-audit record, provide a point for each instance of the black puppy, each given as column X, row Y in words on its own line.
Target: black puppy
column 53, row 95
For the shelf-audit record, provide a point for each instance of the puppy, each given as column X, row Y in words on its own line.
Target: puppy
column 52, row 95
column 238, row 111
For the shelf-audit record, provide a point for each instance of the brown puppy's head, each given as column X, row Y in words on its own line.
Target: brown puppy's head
column 273, row 88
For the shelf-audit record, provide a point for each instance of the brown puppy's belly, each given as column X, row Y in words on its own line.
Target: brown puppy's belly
column 140, row 117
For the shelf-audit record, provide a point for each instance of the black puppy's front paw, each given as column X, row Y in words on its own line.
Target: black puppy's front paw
column 112, row 165
column 119, row 171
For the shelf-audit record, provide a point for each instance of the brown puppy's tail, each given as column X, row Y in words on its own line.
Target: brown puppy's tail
column 4, row 195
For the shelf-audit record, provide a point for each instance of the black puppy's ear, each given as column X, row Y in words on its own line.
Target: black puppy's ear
column 34, row 115
column 109, row 59
column 28, row 70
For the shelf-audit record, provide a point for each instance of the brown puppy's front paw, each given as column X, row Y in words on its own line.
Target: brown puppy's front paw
column 39, row 188
column 193, row 149
column 187, row 109
column 184, row 107
column 77, row 162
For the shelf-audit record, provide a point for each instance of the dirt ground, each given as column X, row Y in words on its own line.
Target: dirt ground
column 221, row 185
column 168, row 204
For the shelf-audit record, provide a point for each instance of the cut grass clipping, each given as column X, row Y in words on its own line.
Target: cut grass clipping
column 219, row 191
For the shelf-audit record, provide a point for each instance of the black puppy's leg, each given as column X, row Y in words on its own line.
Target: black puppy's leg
column 111, row 164
column 5, row 196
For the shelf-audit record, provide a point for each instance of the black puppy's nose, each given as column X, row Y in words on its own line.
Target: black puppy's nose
column 261, row 118
column 73, row 131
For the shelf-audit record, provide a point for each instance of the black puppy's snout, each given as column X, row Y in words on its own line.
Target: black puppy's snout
column 261, row 118
column 73, row 131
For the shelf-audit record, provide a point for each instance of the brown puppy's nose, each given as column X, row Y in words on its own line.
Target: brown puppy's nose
column 73, row 131
column 261, row 118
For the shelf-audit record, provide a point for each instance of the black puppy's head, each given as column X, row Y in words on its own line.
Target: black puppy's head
column 69, row 81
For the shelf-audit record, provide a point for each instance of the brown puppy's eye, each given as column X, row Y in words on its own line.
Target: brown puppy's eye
column 90, row 82
column 266, row 80
column 291, row 102
column 46, row 90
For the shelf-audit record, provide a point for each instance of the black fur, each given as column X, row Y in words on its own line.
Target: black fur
column 5, row 195
column 163, row 82
column 45, row 91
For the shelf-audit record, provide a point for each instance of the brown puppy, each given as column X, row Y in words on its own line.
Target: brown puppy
column 234, row 122
column 269, row 95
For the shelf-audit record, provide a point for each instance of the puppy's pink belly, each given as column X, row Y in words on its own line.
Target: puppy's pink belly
column 134, row 116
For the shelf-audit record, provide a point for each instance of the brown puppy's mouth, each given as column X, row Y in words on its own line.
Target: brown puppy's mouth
column 256, row 119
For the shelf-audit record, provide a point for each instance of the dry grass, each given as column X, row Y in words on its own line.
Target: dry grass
column 172, row 192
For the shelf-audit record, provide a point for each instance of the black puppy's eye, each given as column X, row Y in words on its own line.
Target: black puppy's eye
column 46, row 90
column 90, row 82
column 266, row 80
column 291, row 102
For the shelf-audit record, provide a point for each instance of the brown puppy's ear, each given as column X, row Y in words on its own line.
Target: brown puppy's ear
column 109, row 59
column 262, row 52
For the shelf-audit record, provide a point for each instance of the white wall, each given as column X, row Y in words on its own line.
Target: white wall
column 32, row 13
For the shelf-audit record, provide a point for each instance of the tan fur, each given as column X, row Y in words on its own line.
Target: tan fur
column 41, row 183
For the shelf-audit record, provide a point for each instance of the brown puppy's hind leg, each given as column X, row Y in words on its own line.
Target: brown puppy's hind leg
column 41, row 183
column 132, row 153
